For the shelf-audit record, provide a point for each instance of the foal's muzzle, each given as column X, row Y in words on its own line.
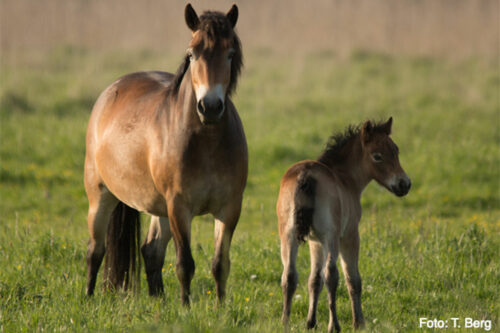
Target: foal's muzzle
column 210, row 109
column 402, row 186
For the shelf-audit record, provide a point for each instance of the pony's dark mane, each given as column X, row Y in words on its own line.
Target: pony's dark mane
column 214, row 30
column 334, row 150
column 179, row 75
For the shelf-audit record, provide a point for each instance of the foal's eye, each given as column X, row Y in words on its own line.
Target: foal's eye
column 230, row 55
column 377, row 157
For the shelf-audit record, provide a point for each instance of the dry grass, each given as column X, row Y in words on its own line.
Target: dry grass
column 445, row 28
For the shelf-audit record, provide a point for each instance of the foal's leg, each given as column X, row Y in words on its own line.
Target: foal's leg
column 180, row 224
column 224, row 228
column 101, row 206
column 153, row 251
column 290, row 277
column 349, row 250
column 315, row 284
column 332, row 282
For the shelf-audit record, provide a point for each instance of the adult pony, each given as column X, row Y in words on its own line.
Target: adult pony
column 172, row 146
column 320, row 200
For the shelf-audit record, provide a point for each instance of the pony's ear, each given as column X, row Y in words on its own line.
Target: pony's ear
column 366, row 131
column 232, row 15
column 387, row 127
column 191, row 17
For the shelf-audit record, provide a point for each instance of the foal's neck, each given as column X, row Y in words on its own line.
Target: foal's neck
column 351, row 168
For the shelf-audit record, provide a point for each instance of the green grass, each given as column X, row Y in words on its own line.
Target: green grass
column 431, row 254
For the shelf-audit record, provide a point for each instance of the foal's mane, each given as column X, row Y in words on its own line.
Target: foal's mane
column 334, row 151
column 214, row 31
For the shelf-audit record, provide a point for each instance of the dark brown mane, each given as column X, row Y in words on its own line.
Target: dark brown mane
column 214, row 31
column 179, row 75
column 334, row 150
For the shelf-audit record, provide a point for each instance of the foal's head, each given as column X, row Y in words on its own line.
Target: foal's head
column 381, row 155
column 215, row 60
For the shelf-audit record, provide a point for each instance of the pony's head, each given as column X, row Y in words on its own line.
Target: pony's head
column 215, row 60
column 381, row 155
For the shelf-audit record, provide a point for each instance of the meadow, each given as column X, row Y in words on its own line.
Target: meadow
column 431, row 254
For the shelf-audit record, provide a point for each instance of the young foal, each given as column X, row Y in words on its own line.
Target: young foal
column 172, row 146
column 320, row 200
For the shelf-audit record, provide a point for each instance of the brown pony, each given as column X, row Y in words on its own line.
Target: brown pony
column 172, row 146
column 320, row 200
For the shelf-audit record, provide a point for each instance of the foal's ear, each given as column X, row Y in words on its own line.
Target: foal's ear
column 232, row 15
column 191, row 17
column 388, row 126
column 366, row 131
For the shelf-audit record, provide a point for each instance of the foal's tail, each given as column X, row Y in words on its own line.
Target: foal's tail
column 304, row 198
column 122, row 266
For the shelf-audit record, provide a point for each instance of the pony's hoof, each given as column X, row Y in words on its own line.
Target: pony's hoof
column 311, row 323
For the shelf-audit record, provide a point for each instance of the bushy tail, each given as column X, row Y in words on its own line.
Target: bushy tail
column 122, row 266
column 305, row 193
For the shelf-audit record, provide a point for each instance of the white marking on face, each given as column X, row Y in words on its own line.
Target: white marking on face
column 203, row 91
column 218, row 91
column 200, row 92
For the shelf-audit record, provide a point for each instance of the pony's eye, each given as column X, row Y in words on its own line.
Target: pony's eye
column 377, row 157
column 230, row 55
column 190, row 54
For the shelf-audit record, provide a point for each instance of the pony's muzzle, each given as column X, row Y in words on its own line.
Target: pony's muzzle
column 210, row 109
column 402, row 186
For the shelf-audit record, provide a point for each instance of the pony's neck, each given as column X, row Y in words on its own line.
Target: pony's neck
column 186, row 101
column 351, row 169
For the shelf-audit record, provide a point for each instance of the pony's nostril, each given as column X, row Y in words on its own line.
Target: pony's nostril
column 219, row 105
column 201, row 106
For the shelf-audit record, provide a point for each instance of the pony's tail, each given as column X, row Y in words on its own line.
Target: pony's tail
column 305, row 193
column 122, row 265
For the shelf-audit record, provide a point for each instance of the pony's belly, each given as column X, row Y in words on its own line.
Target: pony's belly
column 140, row 196
column 131, row 184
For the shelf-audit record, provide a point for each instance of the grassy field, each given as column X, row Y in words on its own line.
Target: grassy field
column 432, row 254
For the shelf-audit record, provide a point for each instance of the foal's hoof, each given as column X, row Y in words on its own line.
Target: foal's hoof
column 311, row 323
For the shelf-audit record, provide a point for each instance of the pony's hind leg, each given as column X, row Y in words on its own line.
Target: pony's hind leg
column 315, row 283
column 332, row 282
column 101, row 206
column 290, row 277
column 153, row 251
column 349, row 250
column 224, row 228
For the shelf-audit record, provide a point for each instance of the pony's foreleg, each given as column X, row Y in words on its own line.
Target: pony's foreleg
column 332, row 282
column 315, row 283
column 349, row 250
column 153, row 251
column 224, row 228
column 290, row 277
column 180, row 224
column 101, row 206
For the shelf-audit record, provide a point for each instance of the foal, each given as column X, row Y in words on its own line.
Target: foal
column 320, row 200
